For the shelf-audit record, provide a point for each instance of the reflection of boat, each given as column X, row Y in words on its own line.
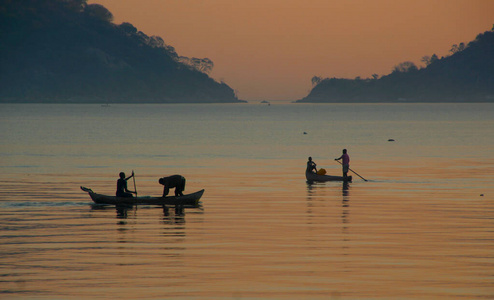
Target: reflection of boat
column 321, row 178
column 189, row 200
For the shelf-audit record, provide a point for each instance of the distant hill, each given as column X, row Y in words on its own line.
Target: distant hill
column 465, row 76
column 70, row 51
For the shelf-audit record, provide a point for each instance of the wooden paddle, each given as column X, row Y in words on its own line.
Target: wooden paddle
column 353, row 171
column 134, row 177
column 135, row 189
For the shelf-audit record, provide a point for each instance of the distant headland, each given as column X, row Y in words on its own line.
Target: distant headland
column 467, row 75
column 68, row 51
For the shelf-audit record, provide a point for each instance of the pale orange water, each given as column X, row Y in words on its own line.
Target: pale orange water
column 420, row 228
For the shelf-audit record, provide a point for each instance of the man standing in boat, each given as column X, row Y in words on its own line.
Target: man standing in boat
column 311, row 166
column 174, row 181
column 122, row 190
column 345, row 162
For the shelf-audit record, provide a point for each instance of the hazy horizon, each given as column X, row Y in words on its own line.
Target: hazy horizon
column 270, row 50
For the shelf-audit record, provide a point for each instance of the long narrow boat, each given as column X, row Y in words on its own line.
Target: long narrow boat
column 188, row 200
column 323, row 178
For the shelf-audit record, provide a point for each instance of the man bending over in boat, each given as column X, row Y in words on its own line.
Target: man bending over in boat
column 311, row 166
column 345, row 162
column 174, row 181
column 122, row 190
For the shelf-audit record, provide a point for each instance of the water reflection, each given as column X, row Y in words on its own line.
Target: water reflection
column 345, row 213
column 178, row 218
column 122, row 211
column 311, row 186
column 324, row 190
column 179, row 211
column 172, row 221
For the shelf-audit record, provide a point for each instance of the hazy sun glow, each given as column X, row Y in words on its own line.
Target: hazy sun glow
column 270, row 49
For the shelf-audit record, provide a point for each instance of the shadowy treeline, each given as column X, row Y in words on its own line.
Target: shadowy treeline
column 465, row 76
column 71, row 51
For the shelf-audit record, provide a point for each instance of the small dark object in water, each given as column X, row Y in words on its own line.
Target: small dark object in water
column 305, row 132
column 391, row 140
column 481, row 195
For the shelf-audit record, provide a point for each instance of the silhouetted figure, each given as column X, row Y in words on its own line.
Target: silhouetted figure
column 122, row 190
column 345, row 162
column 311, row 166
column 174, row 181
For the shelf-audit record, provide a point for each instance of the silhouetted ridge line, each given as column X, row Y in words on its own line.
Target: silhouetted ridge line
column 465, row 76
column 70, row 51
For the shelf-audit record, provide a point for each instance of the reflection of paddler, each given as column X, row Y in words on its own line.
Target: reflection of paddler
column 174, row 181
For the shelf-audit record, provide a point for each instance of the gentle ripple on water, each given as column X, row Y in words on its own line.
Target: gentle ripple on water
column 420, row 228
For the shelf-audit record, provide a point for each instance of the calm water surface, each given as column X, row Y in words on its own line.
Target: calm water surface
column 421, row 227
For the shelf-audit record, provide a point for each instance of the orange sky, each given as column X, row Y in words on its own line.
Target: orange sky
column 270, row 49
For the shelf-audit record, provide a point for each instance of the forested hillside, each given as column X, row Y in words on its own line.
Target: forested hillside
column 467, row 75
column 71, row 51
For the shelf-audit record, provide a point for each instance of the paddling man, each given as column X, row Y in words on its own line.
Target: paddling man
column 122, row 190
column 174, row 181
column 345, row 163
column 311, row 166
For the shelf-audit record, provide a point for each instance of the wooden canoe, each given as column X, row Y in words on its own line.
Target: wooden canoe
column 323, row 178
column 188, row 200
